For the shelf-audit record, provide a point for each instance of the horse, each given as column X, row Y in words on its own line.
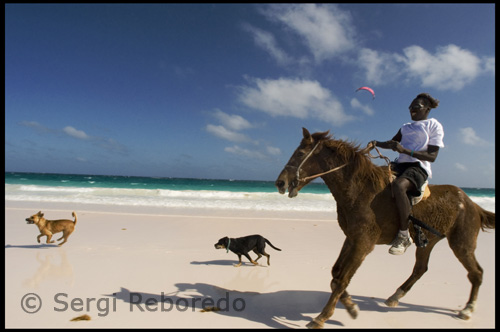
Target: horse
column 367, row 215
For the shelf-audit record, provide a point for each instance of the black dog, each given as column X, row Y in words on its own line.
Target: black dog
column 242, row 245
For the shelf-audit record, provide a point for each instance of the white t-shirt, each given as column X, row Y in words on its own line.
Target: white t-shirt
column 417, row 136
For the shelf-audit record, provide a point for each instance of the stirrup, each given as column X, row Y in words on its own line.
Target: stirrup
column 421, row 240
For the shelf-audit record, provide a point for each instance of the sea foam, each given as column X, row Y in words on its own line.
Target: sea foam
column 212, row 199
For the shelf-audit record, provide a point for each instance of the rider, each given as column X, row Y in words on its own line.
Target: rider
column 418, row 145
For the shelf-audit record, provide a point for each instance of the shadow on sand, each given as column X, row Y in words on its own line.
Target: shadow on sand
column 281, row 309
column 32, row 246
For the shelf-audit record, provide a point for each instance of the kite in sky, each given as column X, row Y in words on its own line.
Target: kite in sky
column 367, row 89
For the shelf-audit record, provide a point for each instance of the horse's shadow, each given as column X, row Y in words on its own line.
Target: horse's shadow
column 281, row 309
column 32, row 246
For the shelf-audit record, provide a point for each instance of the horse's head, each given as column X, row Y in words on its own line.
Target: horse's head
column 301, row 164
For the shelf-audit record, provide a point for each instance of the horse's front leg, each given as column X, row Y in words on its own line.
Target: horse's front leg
column 350, row 258
column 352, row 308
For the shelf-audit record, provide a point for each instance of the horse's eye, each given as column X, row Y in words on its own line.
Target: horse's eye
column 301, row 153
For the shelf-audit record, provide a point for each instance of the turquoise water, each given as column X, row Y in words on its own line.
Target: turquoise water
column 183, row 193
column 132, row 182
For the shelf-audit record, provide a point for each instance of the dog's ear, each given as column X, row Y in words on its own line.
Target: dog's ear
column 40, row 213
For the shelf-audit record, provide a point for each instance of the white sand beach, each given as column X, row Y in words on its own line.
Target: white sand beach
column 138, row 267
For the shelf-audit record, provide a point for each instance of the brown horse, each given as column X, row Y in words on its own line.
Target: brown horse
column 367, row 215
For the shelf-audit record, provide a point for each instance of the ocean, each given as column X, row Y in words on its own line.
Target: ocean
column 179, row 193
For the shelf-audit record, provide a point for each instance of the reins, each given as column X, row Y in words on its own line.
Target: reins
column 381, row 156
column 364, row 151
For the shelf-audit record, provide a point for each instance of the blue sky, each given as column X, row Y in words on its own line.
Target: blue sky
column 223, row 91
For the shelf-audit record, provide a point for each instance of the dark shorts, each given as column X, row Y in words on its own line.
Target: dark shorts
column 413, row 172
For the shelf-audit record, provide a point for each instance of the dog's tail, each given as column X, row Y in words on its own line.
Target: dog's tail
column 74, row 215
column 267, row 241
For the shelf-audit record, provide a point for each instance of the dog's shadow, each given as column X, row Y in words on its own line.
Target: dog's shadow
column 32, row 246
column 224, row 262
column 280, row 309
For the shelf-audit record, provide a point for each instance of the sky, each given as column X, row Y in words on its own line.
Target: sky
column 222, row 91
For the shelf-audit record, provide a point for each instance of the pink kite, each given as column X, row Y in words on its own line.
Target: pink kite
column 367, row 89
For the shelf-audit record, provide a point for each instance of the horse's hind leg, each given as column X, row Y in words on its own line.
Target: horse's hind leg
column 422, row 256
column 465, row 254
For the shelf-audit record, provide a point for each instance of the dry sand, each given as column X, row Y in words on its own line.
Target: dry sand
column 119, row 265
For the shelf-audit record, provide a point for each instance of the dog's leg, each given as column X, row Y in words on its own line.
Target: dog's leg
column 239, row 264
column 250, row 259
column 65, row 236
column 258, row 254
column 39, row 236
column 49, row 237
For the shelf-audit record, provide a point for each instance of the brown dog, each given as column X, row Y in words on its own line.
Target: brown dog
column 50, row 227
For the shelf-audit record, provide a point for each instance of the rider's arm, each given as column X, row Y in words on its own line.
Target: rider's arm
column 429, row 155
column 388, row 144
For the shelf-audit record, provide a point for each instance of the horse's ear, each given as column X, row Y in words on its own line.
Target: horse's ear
column 307, row 135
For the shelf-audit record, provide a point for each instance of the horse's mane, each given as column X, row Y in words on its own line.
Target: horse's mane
column 357, row 159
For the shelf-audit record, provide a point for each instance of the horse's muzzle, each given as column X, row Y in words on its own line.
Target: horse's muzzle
column 281, row 186
column 283, row 183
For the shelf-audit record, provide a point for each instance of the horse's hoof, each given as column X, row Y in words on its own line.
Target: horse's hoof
column 466, row 313
column 393, row 301
column 314, row 324
column 390, row 302
column 353, row 311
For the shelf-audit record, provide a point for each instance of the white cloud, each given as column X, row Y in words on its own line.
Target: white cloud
column 32, row 124
column 356, row 104
column 267, row 42
column 380, row 68
column 101, row 142
column 273, row 151
column 37, row 126
column 460, row 167
column 489, row 65
column 245, row 152
column 294, row 97
column 325, row 29
column 449, row 68
column 70, row 131
column 224, row 133
column 469, row 137
column 234, row 122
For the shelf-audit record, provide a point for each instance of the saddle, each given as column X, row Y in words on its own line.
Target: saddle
column 425, row 192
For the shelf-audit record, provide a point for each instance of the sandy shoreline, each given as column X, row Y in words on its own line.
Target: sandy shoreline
column 120, row 264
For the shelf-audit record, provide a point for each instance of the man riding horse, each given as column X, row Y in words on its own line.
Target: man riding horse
column 418, row 145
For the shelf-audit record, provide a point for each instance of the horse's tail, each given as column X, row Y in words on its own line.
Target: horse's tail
column 487, row 218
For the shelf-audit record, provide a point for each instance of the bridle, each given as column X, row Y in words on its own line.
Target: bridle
column 307, row 178
column 297, row 174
